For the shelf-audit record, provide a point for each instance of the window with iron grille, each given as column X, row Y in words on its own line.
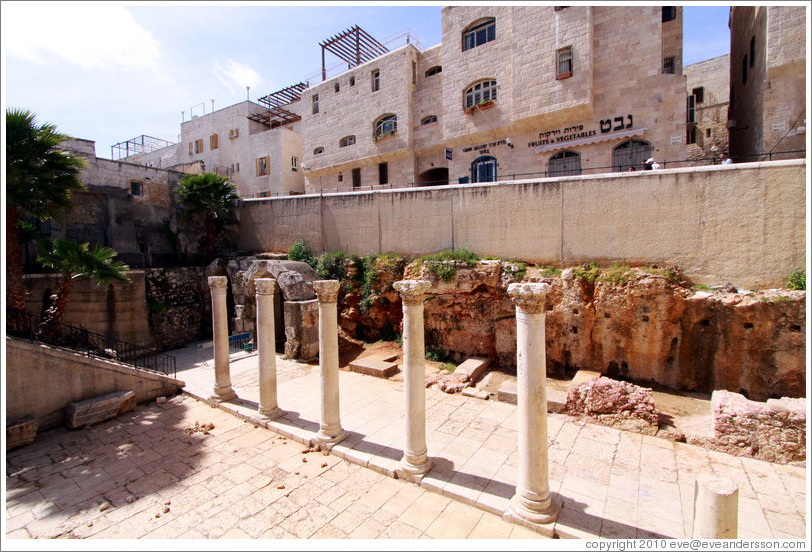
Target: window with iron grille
column 566, row 163
column 294, row 164
column 563, row 61
column 376, row 80
column 479, row 34
column 346, row 141
column 262, row 166
column 136, row 188
column 690, row 109
column 669, row 65
column 434, row 70
column 315, row 103
column 479, row 93
column 386, row 125
column 630, row 153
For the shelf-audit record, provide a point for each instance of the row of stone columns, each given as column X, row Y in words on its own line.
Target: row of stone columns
column 532, row 501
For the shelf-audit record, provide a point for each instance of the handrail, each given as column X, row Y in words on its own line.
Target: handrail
column 76, row 338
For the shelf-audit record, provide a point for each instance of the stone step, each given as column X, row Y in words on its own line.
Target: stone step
column 378, row 366
column 21, row 432
column 98, row 409
column 556, row 398
column 474, row 367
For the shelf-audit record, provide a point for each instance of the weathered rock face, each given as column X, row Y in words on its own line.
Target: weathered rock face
column 618, row 404
column 774, row 431
column 179, row 310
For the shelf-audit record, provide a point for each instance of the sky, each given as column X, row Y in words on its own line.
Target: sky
column 109, row 71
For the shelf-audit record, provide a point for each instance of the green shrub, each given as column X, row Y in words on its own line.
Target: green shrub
column 436, row 354
column 442, row 264
column 300, row 252
column 330, row 266
column 550, row 271
column 616, row 274
column 588, row 273
column 670, row 274
column 797, row 280
column 518, row 270
column 448, row 367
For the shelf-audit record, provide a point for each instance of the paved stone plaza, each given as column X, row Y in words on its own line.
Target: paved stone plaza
column 185, row 483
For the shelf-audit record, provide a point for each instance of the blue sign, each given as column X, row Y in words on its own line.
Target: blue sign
column 448, row 154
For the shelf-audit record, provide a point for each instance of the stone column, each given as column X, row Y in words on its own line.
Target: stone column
column 532, row 502
column 716, row 508
column 330, row 431
column 219, row 320
column 266, row 342
column 415, row 462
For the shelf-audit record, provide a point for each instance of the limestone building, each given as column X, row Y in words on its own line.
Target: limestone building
column 706, row 110
column 512, row 92
column 767, row 82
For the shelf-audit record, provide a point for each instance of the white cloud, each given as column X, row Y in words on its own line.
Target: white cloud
column 235, row 75
column 90, row 35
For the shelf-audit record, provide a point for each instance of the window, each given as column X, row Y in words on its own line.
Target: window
column 233, row 133
column 631, row 153
column 414, row 72
column 483, row 169
column 264, row 194
column 699, row 94
column 315, row 103
column 383, row 173
column 376, row 80
column 481, row 92
column 669, row 65
column 352, row 81
column 434, row 70
column 319, row 150
column 294, row 164
column 262, row 166
column 744, row 70
column 691, row 137
column 191, row 148
column 337, row 87
column 479, row 34
column 238, row 167
column 669, row 13
column 136, row 188
column 386, row 126
column 214, row 142
column 346, row 141
column 431, row 119
column 564, row 63
column 708, row 132
column 340, row 177
column 752, row 50
column 199, row 145
column 566, row 163
column 690, row 110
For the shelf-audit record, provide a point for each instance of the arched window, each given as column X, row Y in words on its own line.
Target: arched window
column 346, row 141
column 566, row 163
column 481, row 92
column 483, row 169
column 434, row 70
column 429, row 120
column 479, row 34
column 631, row 153
column 318, row 150
column 386, row 125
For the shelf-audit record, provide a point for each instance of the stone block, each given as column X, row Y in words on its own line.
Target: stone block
column 302, row 329
column 21, row 432
column 614, row 403
column 507, row 393
column 474, row 367
column 381, row 367
column 98, row 409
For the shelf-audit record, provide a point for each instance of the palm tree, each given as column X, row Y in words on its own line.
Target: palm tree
column 76, row 260
column 212, row 195
column 39, row 181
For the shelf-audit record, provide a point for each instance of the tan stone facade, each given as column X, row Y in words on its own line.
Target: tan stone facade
column 709, row 84
column 767, row 82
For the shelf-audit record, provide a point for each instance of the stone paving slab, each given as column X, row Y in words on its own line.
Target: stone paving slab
column 593, row 468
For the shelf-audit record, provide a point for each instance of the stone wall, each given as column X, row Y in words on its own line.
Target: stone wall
column 41, row 381
column 740, row 223
column 179, row 307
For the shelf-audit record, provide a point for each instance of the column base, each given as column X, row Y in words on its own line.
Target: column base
column 413, row 472
column 223, row 394
column 540, row 521
column 270, row 413
column 327, row 442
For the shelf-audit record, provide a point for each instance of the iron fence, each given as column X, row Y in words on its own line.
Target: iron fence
column 76, row 338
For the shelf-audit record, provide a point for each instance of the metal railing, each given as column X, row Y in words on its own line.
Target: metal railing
column 76, row 338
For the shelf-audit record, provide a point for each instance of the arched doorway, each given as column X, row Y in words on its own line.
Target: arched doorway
column 566, row 163
column 433, row 177
column 631, row 153
column 483, row 169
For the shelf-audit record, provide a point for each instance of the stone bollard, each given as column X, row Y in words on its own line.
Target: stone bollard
column 330, row 431
column 266, row 343
column 219, row 320
column 415, row 462
column 716, row 508
column 532, row 502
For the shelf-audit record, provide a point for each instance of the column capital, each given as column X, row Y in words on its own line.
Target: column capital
column 265, row 286
column 412, row 291
column 326, row 290
column 530, row 298
column 218, row 284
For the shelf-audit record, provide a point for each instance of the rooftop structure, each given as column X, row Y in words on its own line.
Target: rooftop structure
column 137, row 145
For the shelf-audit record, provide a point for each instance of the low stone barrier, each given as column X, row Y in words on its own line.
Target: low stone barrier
column 618, row 404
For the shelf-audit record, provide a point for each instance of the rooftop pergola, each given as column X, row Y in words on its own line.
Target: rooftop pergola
column 355, row 46
column 276, row 115
column 139, row 144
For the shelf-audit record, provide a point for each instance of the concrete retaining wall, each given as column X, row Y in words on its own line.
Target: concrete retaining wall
column 42, row 380
column 740, row 223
